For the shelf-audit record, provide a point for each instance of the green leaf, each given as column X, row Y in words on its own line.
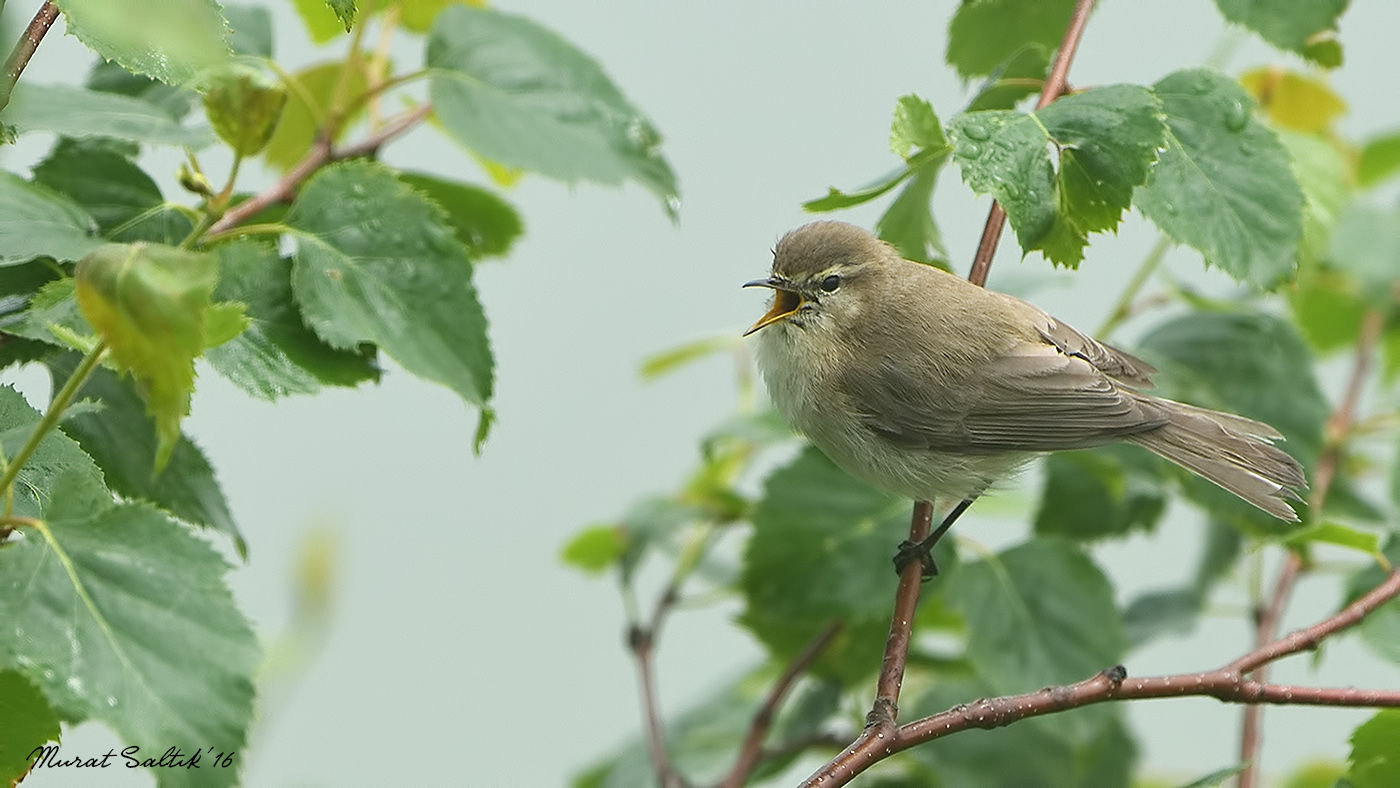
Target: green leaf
column 1107, row 140
column 484, row 223
column 518, row 94
column 321, row 22
column 1028, row 753
column 277, row 355
column 344, row 11
column 836, row 199
column 1380, row 159
column 1375, row 760
column 1223, row 185
column 302, row 121
column 1296, row 27
column 1324, row 173
column 1020, row 75
column 109, row 77
column 595, row 549
column 56, row 456
column 1343, row 536
column 1327, row 308
column 99, row 604
column 250, row 29
column 1366, row 243
column 244, row 108
column 173, row 40
column 377, row 262
column 1381, row 629
column 121, row 439
column 53, row 317
column 985, row 33
column 820, row 551
column 1039, row 614
column 419, row 15
column 667, row 361
column 37, row 222
column 30, row 722
column 1094, row 493
column 119, row 195
column 908, row 223
column 915, row 126
column 77, row 112
column 151, row 304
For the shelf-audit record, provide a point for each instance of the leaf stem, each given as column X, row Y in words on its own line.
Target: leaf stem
column 1123, row 309
column 24, row 48
column 60, row 403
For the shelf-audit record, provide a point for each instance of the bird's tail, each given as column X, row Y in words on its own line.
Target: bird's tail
column 1232, row 451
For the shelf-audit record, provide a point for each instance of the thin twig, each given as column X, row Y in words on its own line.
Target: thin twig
column 321, row 153
column 751, row 752
column 880, row 722
column 1267, row 619
column 1226, row 684
column 26, row 46
column 641, row 641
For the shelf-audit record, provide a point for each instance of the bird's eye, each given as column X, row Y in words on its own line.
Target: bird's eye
column 830, row 283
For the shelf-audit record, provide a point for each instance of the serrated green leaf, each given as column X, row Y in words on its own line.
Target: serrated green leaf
column 520, row 95
column 1095, row 493
column 277, row 355
column 377, row 262
column 250, row 29
column 915, row 126
column 985, row 33
column 1107, row 140
column 105, row 608
column 77, row 112
column 1039, row 614
column 172, row 41
column 345, row 11
column 1296, row 27
column 38, row 222
column 151, row 303
column 484, row 222
column 1294, row 101
column 1375, row 760
column 244, row 108
column 1223, row 185
column 1380, row 159
column 121, row 438
column 56, row 455
column 1022, row 74
column 820, row 552
column 19, row 285
column 595, row 549
column 1366, row 243
column 30, row 722
column 302, row 121
column 1343, row 536
column 1028, row 753
column 1380, row 630
column 837, row 199
column 123, row 200
column 908, row 223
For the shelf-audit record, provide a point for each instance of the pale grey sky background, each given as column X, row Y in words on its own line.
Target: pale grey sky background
column 461, row 652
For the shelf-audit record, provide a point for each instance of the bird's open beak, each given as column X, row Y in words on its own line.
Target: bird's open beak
column 785, row 302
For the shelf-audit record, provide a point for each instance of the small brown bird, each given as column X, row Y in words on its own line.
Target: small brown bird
column 926, row 385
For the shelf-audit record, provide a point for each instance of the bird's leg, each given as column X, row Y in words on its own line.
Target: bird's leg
column 923, row 551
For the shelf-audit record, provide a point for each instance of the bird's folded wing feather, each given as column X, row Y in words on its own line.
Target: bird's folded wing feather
column 1035, row 397
column 1107, row 359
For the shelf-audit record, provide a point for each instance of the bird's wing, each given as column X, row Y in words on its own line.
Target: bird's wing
column 1035, row 397
column 1107, row 359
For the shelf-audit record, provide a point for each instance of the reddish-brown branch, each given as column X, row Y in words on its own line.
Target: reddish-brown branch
column 321, row 153
column 25, row 48
column 751, row 752
column 873, row 743
column 641, row 642
column 1227, row 684
column 1268, row 618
